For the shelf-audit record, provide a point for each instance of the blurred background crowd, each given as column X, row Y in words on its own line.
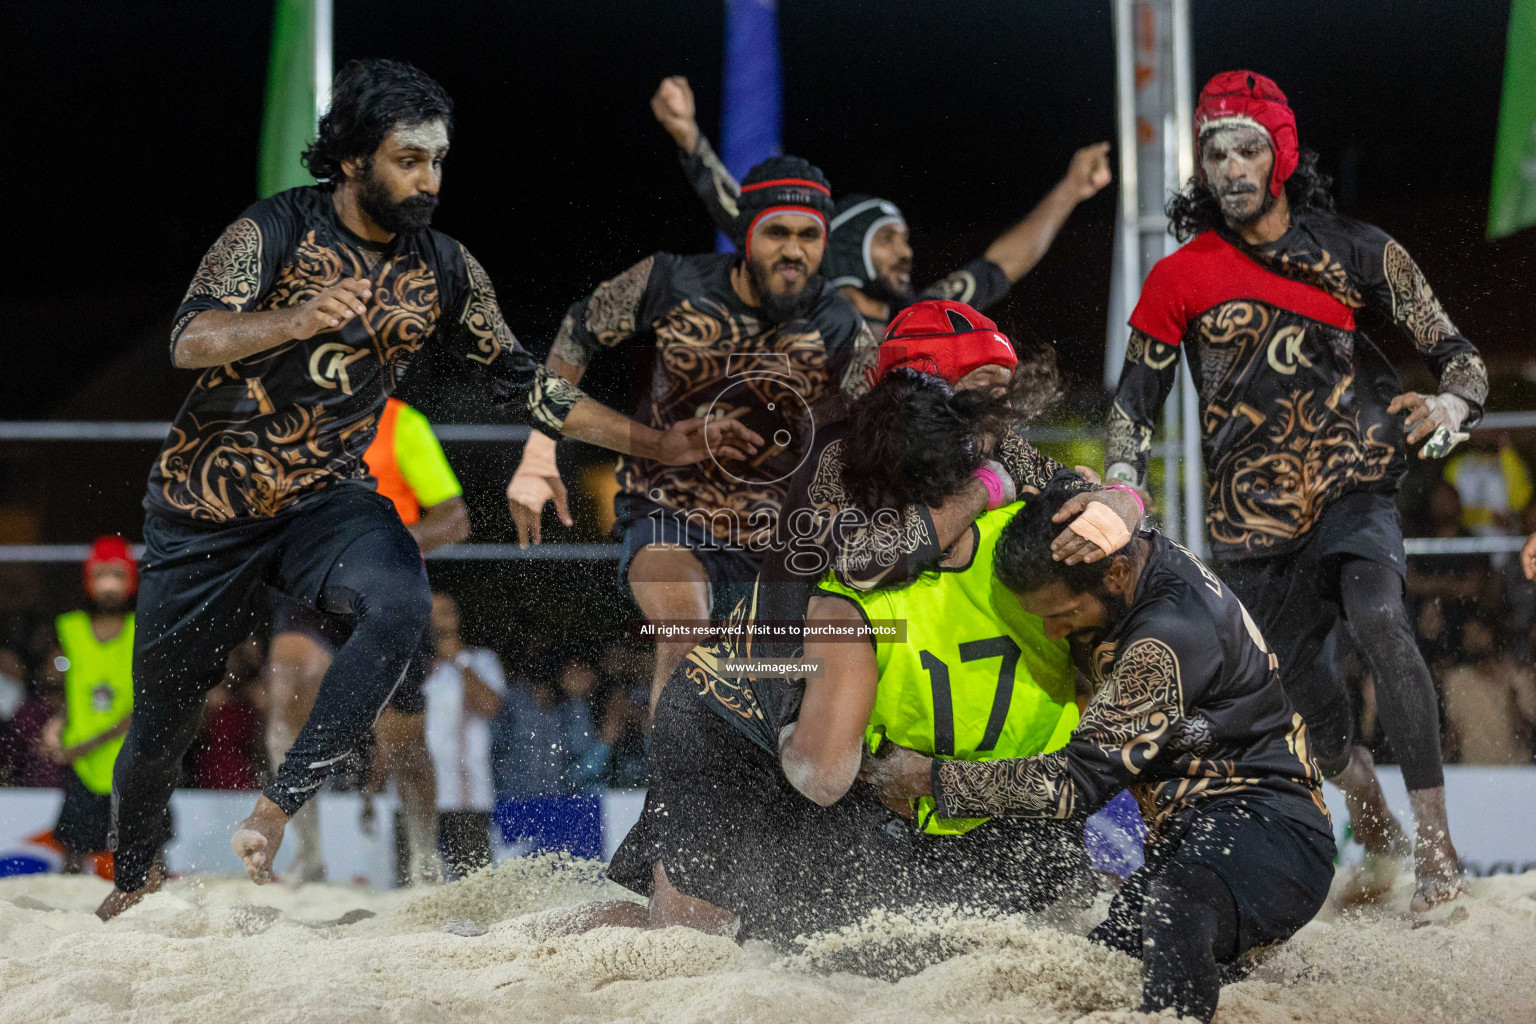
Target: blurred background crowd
column 570, row 719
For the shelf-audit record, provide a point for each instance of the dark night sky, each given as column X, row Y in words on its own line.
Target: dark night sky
column 134, row 132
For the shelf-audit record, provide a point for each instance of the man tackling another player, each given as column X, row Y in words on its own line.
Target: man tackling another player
column 302, row 317
column 1189, row 713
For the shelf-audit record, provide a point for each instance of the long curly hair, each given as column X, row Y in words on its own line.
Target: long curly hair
column 1195, row 209
column 370, row 99
column 915, row 439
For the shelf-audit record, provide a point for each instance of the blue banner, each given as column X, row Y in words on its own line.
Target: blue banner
column 752, row 100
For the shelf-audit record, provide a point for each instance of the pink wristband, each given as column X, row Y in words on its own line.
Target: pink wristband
column 1140, row 506
column 995, row 493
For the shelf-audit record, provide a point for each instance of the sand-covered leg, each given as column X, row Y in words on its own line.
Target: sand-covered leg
column 1385, row 843
column 1438, row 877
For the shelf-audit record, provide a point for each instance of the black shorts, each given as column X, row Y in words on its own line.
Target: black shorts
column 1277, row 865
column 206, row 588
column 731, row 571
column 1294, row 598
column 85, row 817
column 732, row 831
column 331, row 631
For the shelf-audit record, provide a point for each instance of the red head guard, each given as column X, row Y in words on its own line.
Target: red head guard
column 946, row 339
column 1246, row 97
column 107, row 550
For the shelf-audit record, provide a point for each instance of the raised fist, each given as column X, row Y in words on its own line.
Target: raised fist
column 674, row 108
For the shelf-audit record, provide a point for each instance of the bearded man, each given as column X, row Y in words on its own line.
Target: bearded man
column 1303, row 451
column 759, row 338
column 302, row 318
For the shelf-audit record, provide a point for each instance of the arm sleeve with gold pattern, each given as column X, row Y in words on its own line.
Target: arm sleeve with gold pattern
column 1031, row 469
column 1406, row 295
column 607, row 317
column 713, row 184
column 1159, row 668
column 481, row 336
column 861, row 362
column 237, row 270
column 1150, row 372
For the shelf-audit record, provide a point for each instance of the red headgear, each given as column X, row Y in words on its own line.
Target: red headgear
column 947, row 339
column 106, row 550
column 1245, row 97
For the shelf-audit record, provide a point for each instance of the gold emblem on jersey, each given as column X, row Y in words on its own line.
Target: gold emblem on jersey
column 328, row 365
column 1285, row 350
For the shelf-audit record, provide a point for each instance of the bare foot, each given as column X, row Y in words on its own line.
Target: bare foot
column 1437, row 875
column 1373, row 877
column 1436, row 870
column 1370, row 819
column 118, row 901
column 257, row 838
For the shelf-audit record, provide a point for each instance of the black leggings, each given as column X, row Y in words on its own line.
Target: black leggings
column 203, row 592
column 1189, row 924
column 1377, row 620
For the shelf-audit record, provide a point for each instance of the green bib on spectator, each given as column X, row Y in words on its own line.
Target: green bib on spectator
column 98, row 693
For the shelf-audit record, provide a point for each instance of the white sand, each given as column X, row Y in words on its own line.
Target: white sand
column 211, row 950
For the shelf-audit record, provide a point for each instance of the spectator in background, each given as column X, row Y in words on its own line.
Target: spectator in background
column 463, row 694
column 1520, row 595
column 92, row 656
column 626, row 714
column 1450, row 582
column 13, row 693
column 1490, row 699
column 33, row 766
column 546, row 742
column 1494, row 486
column 227, row 753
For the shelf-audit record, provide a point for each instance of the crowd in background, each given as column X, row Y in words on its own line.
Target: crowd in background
column 572, row 718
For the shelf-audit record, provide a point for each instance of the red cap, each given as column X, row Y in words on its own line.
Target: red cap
column 1249, row 97
column 944, row 338
column 107, row 550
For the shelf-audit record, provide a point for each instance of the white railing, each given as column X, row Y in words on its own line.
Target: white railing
column 20, row 431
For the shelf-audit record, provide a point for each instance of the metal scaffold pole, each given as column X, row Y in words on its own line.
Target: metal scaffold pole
column 1156, row 155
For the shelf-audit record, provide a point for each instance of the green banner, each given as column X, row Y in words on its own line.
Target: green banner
column 289, row 122
column 1512, row 204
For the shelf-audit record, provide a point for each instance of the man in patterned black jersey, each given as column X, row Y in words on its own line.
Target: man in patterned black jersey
column 1302, row 448
column 869, row 256
column 302, row 318
column 758, row 338
column 1189, row 714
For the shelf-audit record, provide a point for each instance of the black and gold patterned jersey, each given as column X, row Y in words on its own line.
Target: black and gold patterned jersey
column 715, row 354
column 1187, row 706
column 259, row 435
column 1293, row 394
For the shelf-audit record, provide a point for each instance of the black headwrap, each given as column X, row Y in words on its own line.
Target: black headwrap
column 785, row 183
column 855, row 219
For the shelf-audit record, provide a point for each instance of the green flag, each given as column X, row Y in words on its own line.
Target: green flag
column 298, row 70
column 1512, row 205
